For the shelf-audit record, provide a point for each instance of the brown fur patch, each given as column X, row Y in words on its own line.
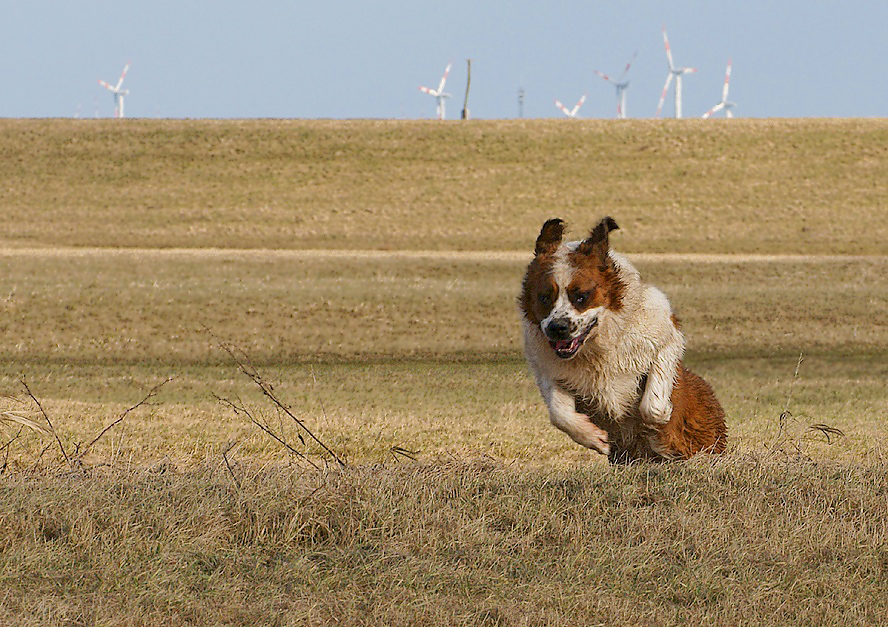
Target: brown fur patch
column 598, row 241
column 600, row 278
column 550, row 236
column 595, row 270
column 697, row 424
column 698, row 420
column 537, row 281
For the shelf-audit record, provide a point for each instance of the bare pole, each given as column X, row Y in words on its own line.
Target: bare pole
column 465, row 110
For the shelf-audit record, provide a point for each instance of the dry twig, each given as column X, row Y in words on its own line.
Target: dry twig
column 241, row 409
column 79, row 452
column 48, row 422
column 783, row 434
column 151, row 394
column 230, row 446
column 246, row 367
column 403, row 452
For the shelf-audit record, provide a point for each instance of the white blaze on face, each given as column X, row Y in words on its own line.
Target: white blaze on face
column 579, row 324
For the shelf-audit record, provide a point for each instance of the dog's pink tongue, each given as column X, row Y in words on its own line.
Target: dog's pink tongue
column 563, row 345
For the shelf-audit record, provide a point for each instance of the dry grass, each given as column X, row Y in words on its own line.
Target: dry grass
column 424, row 355
column 435, row 408
column 775, row 186
column 743, row 541
column 185, row 512
column 137, row 306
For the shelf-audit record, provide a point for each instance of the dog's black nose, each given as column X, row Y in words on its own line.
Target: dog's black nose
column 558, row 330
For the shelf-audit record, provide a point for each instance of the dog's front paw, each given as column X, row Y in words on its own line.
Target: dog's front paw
column 602, row 445
column 596, row 438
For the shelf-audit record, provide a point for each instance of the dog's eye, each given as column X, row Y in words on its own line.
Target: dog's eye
column 545, row 298
column 580, row 298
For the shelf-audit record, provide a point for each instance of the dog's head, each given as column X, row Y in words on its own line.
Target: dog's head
column 568, row 286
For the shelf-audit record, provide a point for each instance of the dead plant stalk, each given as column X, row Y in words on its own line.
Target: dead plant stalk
column 247, row 368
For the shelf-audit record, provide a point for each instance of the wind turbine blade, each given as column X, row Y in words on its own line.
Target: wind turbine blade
column 727, row 80
column 688, row 70
column 628, row 65
column 668, row 51
column 426, row 90
column 663, row 95
column 604, row 76
column 106, row 85
column 714, row 109
column 122, row 75
column 579, row 104
column 444, row 78
column 563, row 109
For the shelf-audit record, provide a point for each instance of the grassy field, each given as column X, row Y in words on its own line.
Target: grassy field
column 703, row 186
column 369, row 271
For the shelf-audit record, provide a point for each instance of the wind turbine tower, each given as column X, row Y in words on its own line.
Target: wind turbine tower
column 621, row 86
column 725, row 104
column 118, row 94
column 439, row 93
column 676, row 73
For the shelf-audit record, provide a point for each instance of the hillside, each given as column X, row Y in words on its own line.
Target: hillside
column 713, row 186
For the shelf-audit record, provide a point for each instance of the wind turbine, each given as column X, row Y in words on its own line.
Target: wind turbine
column 571, row 113
column 439, row 94
column 621, row 86
column 118, row 95
column 725, row 104
column 674, row 72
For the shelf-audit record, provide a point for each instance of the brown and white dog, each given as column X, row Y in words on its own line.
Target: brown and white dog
column 607, row 352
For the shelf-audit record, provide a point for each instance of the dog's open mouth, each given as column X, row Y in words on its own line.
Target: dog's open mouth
column 566, row 349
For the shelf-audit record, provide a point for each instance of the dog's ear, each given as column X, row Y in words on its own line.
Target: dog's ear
column 550, row 237
column 598, row 242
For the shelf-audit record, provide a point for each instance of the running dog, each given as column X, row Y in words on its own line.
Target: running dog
column 606, row 351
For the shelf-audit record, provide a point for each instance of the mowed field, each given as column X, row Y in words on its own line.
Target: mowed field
column 368, row 272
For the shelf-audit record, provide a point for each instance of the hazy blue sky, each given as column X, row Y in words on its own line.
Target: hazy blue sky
column 357, row 59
